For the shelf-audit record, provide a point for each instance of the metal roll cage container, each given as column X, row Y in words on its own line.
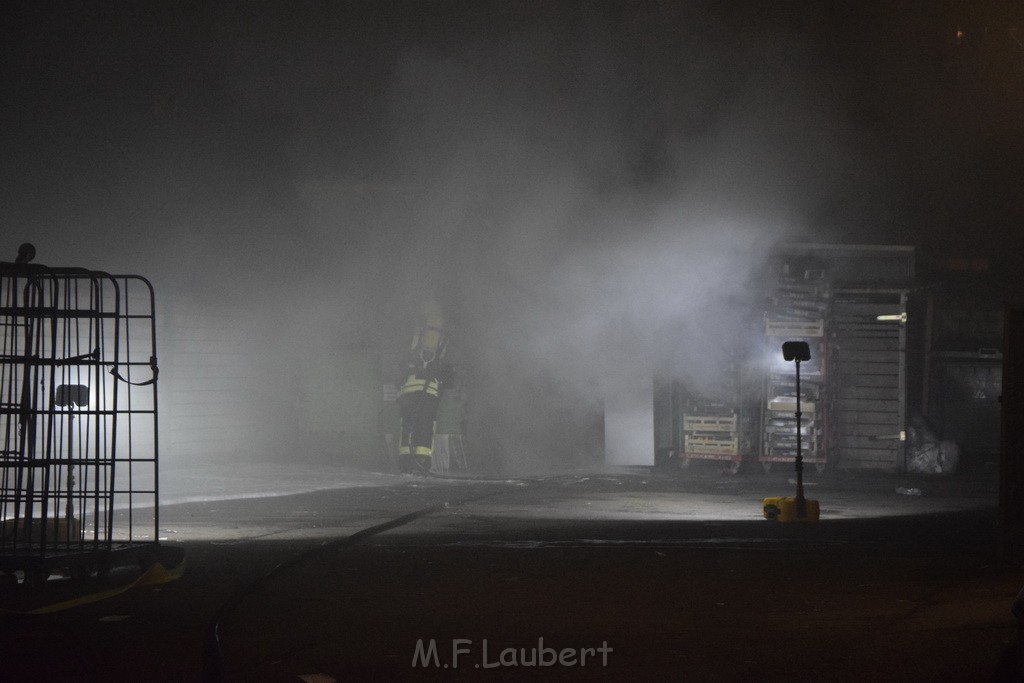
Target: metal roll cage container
column 78, row 422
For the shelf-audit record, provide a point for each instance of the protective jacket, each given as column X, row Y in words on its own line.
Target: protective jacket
column 425, row 372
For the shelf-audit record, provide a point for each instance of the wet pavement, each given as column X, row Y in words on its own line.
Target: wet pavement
column 605, row 576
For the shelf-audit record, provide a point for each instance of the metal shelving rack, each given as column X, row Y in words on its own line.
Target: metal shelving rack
column 798, row 311
column 79, row 481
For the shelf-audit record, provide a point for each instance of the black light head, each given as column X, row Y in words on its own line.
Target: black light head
column 74, row 395
column 796, row 350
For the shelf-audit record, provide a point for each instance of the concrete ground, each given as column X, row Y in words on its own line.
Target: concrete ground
column 608, row 576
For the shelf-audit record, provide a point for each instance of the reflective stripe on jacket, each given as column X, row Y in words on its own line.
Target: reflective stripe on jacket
column 414, row 383
column 416, row 450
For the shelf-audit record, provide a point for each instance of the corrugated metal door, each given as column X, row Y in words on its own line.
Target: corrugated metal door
column 867, row 386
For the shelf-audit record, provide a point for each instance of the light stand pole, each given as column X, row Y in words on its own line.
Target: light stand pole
column 798, row 351
column 797, row 509
column 801, row 502
column 71, row 396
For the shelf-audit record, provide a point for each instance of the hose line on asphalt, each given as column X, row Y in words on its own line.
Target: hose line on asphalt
column 153, row 575
column 213, row 659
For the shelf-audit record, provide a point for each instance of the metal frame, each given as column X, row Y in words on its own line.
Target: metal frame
column 78, row 418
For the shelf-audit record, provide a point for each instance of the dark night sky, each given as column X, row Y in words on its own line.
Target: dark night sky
column 113, row 109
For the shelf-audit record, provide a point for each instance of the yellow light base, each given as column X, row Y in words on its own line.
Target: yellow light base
column 783, row 509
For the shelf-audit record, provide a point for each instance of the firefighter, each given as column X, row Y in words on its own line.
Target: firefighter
column 424, row 378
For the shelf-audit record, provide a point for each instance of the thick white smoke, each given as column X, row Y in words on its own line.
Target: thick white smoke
column 577, row 187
